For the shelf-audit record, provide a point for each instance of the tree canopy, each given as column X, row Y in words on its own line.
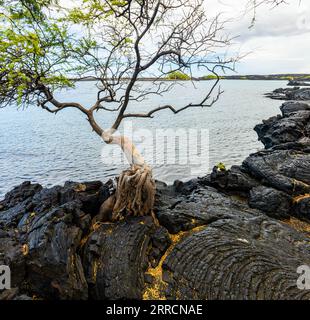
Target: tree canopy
column 43, row 45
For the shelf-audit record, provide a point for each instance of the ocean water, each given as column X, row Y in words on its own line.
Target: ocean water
column 50, row 149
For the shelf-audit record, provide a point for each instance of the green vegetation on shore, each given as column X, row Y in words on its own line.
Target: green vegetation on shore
column 178, row 75
column 210, row 77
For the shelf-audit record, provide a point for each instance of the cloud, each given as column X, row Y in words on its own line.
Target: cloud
column 279, row 41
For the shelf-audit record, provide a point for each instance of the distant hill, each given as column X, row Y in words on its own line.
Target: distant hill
column 289, row 76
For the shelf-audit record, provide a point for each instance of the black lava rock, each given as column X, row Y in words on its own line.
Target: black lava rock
column 219, row 236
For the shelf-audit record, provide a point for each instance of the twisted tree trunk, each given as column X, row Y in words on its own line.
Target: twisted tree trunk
column 135, row 192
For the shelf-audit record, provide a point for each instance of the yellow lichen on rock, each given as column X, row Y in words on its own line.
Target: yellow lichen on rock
column 83, row 241
column 96, row 226
column 95, row 270
column 80, row 188
column 301, row 197
column 156, row 290
column 298, row 225
column 25, row 249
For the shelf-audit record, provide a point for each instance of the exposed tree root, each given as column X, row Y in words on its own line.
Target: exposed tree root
column 135, row 192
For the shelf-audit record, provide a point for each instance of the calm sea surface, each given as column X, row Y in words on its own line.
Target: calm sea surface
column 50, row 149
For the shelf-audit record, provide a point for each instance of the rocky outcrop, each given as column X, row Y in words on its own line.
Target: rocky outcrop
column 297, row 83
column 278, row 177
column 242, row 257
column 296, row 93
column 115, row 257
column 273, row 202
column 234, row 234
column 286, row 129
column 41, row 234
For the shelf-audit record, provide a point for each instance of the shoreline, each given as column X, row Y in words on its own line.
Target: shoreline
column 275, row 77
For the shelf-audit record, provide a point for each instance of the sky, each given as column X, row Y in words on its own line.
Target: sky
column 279, row 41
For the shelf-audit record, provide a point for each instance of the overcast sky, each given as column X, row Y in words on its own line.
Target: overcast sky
column 279, row 42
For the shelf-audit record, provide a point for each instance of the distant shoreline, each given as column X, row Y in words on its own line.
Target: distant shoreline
column 299, row 77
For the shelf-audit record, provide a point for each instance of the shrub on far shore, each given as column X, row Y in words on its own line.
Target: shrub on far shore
column 210, row 77
column 178, row 75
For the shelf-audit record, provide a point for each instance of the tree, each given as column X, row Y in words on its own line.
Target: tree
column 42, row 45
